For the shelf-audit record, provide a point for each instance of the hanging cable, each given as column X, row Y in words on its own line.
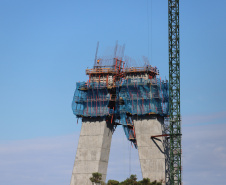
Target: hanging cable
column 124, row 155
column 130, row 159
column 149, row 30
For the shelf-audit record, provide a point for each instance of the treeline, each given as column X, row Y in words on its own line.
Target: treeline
column 96, row 179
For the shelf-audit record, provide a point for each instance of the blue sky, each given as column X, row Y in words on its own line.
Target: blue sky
column 46, row 47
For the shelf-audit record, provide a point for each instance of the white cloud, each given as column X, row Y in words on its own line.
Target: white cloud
column 47, row 161
column 217, row 117
column 204, row 154
column 37, row 161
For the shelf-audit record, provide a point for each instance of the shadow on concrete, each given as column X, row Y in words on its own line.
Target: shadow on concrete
column 154, row 140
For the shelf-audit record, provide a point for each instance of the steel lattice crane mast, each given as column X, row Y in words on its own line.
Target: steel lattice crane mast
column 174, row 165
column 173, row 131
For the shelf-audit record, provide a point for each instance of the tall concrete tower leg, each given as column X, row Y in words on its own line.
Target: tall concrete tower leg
column 151, row 151
column 93, row 151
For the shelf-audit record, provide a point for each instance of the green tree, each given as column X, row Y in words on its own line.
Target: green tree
column 145, row 181
column 102, row 183
column 156, row 183
column 113, row 182
column 96, row 178
column 133, row 178
column 130, row 181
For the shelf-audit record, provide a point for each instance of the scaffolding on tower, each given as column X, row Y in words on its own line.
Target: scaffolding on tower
column 119, row 92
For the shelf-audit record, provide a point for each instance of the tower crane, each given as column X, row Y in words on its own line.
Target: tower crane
column 174, row 176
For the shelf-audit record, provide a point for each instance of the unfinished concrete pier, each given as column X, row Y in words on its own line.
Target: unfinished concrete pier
column 118, row 93
column 151, row 151
column 93, row 151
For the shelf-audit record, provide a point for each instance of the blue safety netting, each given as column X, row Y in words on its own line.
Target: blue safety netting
column 134, row 97
column 142, row 96
column 90, row 100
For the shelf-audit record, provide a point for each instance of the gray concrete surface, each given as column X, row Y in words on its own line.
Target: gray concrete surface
column 151, row 151
column 93, row 151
